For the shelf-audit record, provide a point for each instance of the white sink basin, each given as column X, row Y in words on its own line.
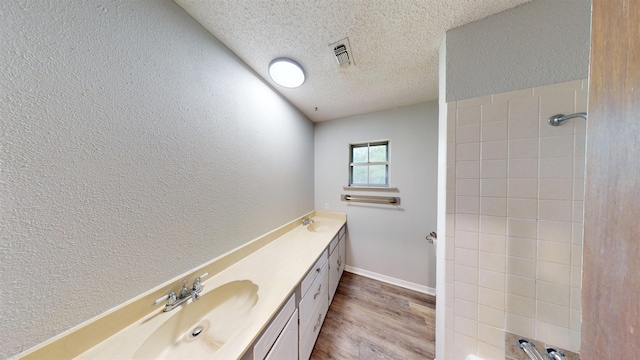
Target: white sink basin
column 318, row 226
column 198, row 329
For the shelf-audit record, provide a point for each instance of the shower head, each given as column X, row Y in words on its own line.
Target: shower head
column 558, row 119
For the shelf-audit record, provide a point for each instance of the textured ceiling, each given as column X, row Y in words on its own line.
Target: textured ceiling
column 394, row 45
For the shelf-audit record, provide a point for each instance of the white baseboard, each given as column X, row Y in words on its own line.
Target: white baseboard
column 390, row 280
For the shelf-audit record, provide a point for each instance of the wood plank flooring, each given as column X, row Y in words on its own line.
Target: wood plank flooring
column 370, row 320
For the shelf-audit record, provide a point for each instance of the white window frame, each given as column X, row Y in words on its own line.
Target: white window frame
column 369, row 163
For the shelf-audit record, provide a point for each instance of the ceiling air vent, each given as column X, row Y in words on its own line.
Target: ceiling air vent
column 342, row 52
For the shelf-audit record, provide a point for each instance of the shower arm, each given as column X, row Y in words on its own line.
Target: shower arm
column 558, row 119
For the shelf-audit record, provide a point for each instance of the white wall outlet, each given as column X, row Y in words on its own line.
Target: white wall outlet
column 326, row 206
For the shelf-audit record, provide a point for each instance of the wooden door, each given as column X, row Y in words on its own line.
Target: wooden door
column 611, row 266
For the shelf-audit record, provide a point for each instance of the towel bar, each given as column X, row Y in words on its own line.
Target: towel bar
column 371, row 199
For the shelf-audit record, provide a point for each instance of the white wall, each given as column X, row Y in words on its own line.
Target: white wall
column 443, row 232
column 385, row 241
column 501, row 165
column 539, row 43
column 134, row 147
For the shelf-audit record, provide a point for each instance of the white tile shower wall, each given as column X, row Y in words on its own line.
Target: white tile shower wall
column 514, row 207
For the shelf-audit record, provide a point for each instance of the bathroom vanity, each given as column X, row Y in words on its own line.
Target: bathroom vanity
column 315, row 292
column 264, row 300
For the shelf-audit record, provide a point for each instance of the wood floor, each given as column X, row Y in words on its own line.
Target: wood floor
column 371, row 320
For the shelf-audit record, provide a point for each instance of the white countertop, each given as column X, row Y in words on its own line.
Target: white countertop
column 276, row 268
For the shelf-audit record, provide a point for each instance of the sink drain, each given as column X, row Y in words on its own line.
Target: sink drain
column 197, row 331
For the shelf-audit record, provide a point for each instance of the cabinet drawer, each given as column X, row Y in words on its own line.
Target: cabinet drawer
column 315, row 310
column 342, row 231
column 313, row 299
column 262, row 346
column 313, row 273
column 333, row 244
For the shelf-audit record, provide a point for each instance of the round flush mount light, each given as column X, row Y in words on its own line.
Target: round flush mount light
column 286, row 72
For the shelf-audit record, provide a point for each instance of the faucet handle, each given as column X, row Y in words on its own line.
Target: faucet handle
column 169, row 298
column 197, row 283
column 184, row 292
column 203, row 276
column 161, row 299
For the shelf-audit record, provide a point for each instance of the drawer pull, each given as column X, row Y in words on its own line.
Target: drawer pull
column 318, row 323
column 339, row 261
column 317, row 293
column 317, row 270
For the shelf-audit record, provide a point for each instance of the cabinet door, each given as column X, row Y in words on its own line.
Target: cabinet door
column 286, row 347
column 270, row 335
column 342, row 257
column 309, row 335
column 334, row 272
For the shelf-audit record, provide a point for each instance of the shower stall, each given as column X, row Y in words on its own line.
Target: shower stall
column 514, row 220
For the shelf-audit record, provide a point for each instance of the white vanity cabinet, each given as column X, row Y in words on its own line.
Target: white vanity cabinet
column 313, row 305
column 337, row 261
column 286, row 347
column 294, row 331
column 280, row 338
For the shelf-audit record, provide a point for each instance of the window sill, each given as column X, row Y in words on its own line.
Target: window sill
column 371, row 188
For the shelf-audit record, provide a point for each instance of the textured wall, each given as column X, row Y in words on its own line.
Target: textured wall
column 539, row 43
column 134, row 147
column 383, row 239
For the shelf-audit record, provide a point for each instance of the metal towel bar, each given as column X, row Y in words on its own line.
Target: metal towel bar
column 371, row 199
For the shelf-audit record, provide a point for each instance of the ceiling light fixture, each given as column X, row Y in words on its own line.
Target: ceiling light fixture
column 286, row 72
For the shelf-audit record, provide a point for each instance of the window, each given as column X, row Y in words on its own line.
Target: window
column 369, row 164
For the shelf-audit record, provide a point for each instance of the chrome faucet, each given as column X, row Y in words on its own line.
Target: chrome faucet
column 553, row 354
column 306, row 221
column 530, row 349
column 173, row 300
